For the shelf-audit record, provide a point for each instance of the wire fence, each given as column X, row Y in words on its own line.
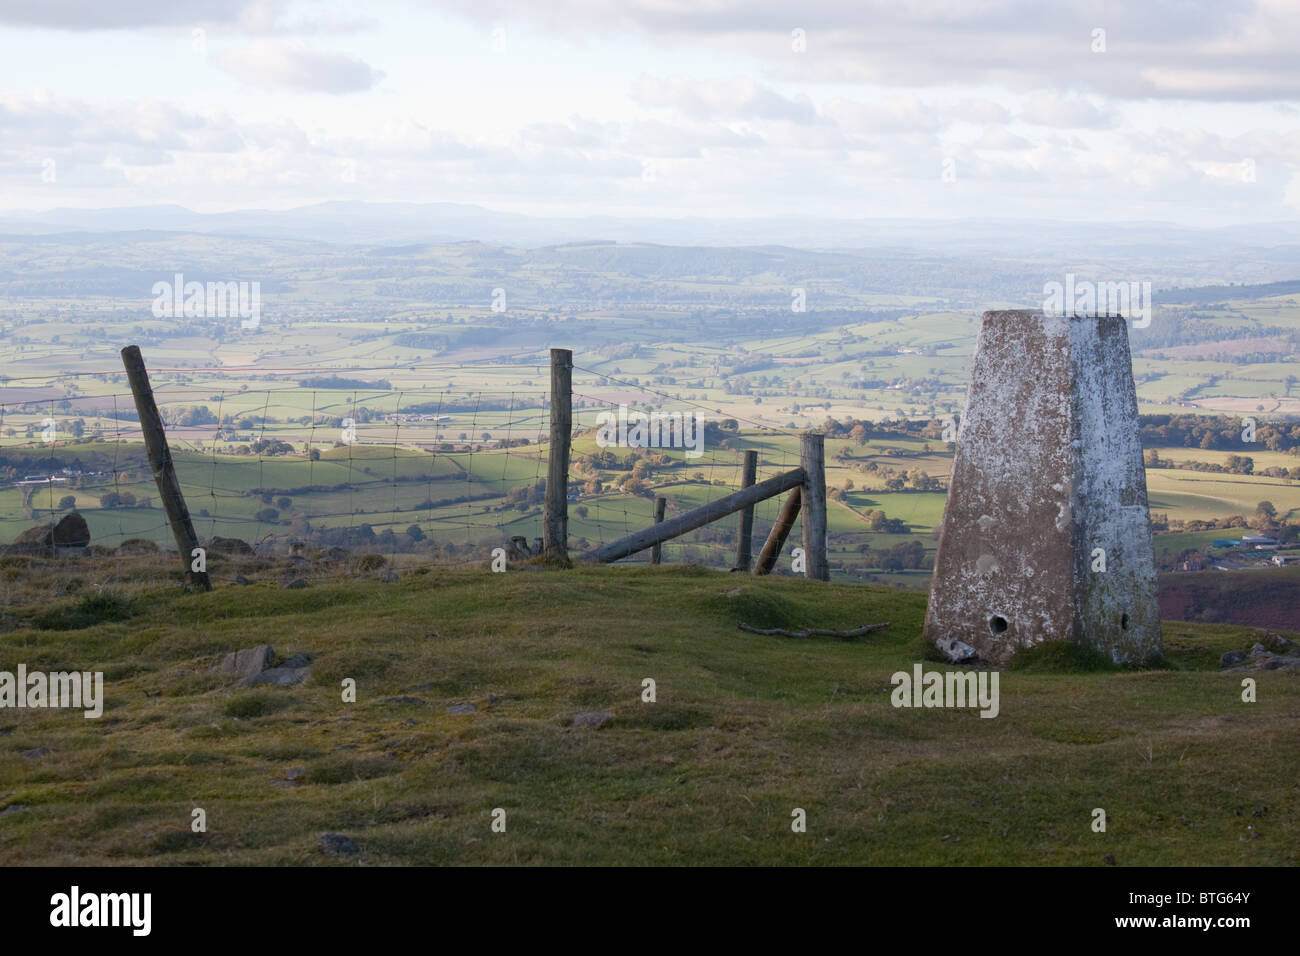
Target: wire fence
column 420, row 476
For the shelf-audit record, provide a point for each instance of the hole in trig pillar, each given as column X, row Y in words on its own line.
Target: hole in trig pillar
column 997, row 624
column 1123, row 621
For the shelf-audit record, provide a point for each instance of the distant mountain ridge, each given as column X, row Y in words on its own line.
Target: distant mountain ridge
column 352, row 222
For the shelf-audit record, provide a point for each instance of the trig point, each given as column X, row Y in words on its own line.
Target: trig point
column 1046, row 534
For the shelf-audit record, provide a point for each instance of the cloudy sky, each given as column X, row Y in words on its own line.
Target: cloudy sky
column 1111, row 110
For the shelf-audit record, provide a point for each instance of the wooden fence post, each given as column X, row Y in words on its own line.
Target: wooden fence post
column 744, row 549
column 160, row 460
column 780, row 531
column 697, row 517
column 555, row 521
column 657, row 552
column 812, row 460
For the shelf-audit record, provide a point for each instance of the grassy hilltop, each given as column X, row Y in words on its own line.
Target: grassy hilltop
column 745, row 729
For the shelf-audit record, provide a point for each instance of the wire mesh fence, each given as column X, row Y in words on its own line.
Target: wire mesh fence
column 420, row 476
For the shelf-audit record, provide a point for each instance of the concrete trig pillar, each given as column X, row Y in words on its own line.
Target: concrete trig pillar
column 1046, row 533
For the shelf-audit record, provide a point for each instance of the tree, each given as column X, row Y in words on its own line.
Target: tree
column 67, row 502
column 414, row 533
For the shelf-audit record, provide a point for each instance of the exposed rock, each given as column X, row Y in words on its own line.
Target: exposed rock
column 240, row 579
column 1232, row 657
column 229, row 545
column 300, row 659
column 279, row 676
column 1278, row 643
column 249, row 662
column 295, row 584
column 1268, row 662
column 407, row 701
column 36, row 753
column 461, row 709
column 590, row 718
column 1259, row 650
column 958, row 652
column 337, row 843
column 70, row 534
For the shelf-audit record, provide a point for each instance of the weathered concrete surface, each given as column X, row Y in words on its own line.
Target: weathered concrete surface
column 1048, row 469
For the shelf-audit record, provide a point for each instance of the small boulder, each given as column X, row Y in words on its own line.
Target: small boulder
column 461, row 709
column 71, row 532
column 959, row 652
column 278, row 676
column 36, row 753
column 590, row 718
column 295, row 584
column 1278, row 644
column 249, row 662
column 338, row 844
column 1232, row 657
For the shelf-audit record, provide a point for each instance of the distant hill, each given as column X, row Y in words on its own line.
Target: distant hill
column 1207, row 294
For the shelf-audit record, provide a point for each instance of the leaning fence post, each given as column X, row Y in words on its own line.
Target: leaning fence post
column 657, row 552
column 160, row 460
column 780, row 531
column 748, row 472
column 556, row 514
column 812, row 460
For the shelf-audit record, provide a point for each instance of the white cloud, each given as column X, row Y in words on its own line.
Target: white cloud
column 1048, row 109
column 735, row 98
column 293, row 65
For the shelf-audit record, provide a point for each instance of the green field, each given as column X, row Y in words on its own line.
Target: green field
column 744, row 730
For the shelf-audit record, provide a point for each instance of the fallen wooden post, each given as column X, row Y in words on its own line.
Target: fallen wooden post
column 698, row 517
column 780, row 531
column 814, row 631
